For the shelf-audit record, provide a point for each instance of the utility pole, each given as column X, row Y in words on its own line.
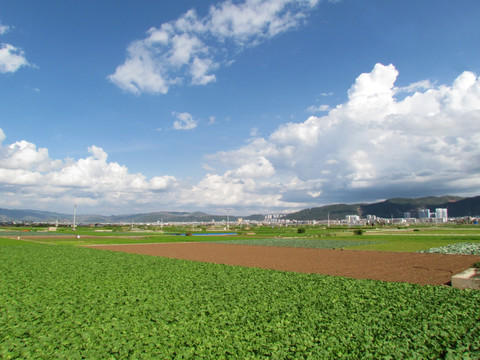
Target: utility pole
column 228, row 219
column 74, row 216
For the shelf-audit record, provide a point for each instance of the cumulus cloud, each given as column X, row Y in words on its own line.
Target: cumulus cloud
column 225, row 190
column 11, row 58
column 185, row 121
column 23, row 155
column 187, row 49
column 258, row 168
column 374, row 145
column 29, row 177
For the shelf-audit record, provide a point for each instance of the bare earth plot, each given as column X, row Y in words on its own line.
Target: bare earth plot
column 423, row 269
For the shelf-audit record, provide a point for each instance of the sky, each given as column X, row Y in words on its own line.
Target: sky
column 240, row 106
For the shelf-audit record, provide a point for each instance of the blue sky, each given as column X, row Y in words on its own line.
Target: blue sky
column 254, row 106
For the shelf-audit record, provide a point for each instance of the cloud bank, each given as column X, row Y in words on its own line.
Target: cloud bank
column 29, row 178
column 374, row 145
column 191, row 48
column 377, row 144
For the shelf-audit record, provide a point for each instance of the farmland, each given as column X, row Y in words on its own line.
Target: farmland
column 378, row 239
column 70, row 302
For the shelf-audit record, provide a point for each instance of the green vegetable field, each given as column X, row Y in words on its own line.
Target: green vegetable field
column 66, row 302
column 303, row 243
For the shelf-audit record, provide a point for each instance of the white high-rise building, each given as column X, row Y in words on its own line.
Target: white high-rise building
column 352, row 218
column 441, row 214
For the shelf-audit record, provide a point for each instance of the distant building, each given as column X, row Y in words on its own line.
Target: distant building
column 273, row 218
column 424, row 213
column 406, row 215
column 352, row 218
column 441, row 214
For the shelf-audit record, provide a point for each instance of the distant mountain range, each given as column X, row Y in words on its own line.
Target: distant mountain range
column 396, row 207
column 8, row 215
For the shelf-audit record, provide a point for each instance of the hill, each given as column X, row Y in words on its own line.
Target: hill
column 32, row 216
column 166, row 216
column 466, row 207
column 7, row 215
column 457, row 206
column 396, row 207
column 337, row 211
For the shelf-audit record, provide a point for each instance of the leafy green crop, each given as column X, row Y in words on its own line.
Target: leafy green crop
column 303, row 243
column 71, row 303
column 460, row 248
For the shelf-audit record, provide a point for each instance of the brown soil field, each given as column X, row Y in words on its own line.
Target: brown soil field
column 423, row 269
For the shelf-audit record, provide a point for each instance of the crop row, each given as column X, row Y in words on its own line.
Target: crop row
column 303, row 243
column 459, row 248
column 68, row 302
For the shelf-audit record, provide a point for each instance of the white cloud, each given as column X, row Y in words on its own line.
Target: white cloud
column 426, row 143
column 140, row 72
column 185, row 50
column 23, row 155
column 183, row 47
column 259, row 168
column 29, row 178
column 162, row 183
column 375, row 145
column 4, row 29
column 417, row 86
column 318, row 108
column 256, row 19
column 215, row 191
column 11, row 58
column 372, row 93
column 185, row 121
column 199, row 70
column 314, row 194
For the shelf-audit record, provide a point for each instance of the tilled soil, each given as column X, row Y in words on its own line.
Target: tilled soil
column 423, row 269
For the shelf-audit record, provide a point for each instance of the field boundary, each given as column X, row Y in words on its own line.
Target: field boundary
column 28, row 240
column 423, row 269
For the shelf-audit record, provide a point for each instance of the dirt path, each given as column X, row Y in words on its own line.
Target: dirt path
column 423, row 269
